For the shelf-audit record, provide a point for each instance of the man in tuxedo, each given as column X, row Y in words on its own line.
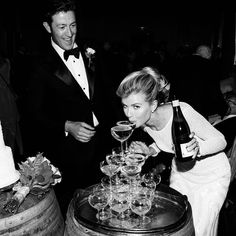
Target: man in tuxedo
column 66, row 104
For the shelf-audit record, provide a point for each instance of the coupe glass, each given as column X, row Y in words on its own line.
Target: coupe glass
column 115, row 159
column 152, row 177
column 99, row 199
column 131, row 171
column 135, row 159
column 141, row 205
column 121, row 133
column 110, row 170
column 120, row 199
column 147, row 187
column 131, row 124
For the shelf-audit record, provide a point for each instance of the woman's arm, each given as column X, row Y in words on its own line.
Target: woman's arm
column 210, row 140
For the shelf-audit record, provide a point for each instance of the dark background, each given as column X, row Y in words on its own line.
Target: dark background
column 171, row 23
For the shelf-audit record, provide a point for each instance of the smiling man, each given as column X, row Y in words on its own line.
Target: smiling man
column 67, row 118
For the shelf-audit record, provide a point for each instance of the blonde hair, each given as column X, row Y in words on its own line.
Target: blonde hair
column 148, row 81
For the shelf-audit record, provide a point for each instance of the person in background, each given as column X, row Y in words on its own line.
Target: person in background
column 196, row 80
column 206, row 183
column 67, row 101
column 203, row 51
column 9, row 114
column 228, row 84
column 227, row 125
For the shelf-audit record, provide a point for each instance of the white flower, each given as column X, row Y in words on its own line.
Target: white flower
column 90, row 52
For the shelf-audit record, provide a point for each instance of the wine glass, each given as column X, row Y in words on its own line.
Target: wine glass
column 99, row 199
column 129, row 123
column 141, row 204
column 121, row 133
column 135, row 159
column 148, row 187
column 152, row 176
column 115, row 159
column 109, row 169
column 120, row 198
column 131, row 171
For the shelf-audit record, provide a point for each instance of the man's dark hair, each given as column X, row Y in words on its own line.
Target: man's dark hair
column 52, row 7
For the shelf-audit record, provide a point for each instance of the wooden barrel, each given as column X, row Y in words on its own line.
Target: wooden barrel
column 82, row 224
column 41, row 217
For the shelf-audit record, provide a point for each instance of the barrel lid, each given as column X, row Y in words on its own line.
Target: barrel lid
column 169, row 212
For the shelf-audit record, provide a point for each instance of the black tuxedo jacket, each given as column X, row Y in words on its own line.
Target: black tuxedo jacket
column 55, row 97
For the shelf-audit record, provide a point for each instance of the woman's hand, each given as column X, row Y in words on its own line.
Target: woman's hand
column 193, row 145
column 141, row 147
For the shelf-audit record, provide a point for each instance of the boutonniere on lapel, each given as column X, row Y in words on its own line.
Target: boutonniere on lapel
column 90, row 54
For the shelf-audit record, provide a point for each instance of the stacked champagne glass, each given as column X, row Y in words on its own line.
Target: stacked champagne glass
column 128, row 194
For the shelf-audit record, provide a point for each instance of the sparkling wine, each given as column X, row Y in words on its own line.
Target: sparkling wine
column 121, row 132
column 131, row 170
column 120, row 192
column 135, row 159
column 141, row 206
column 115, row 159
column 119, row 205
column 98, row 202
column 126, row 122
column 180, row 134
column 110, row 170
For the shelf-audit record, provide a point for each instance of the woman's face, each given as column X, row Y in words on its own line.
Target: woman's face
column 137, row 109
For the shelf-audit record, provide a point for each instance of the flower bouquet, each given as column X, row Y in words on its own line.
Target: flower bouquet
column 37, row 174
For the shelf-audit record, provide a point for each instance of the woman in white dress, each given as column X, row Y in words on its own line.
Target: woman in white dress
column 206, row 182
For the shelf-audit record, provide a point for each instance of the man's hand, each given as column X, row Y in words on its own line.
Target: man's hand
column 81, row 131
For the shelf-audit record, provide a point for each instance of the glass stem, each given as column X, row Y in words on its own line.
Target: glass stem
column 122, row 149
column 110, row 188
column 126, row 146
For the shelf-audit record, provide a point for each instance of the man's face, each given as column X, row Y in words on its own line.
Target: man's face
column 63, row 29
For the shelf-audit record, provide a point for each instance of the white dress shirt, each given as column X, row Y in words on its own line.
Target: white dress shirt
column 77, row 69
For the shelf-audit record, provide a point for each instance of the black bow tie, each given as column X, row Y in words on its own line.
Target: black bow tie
column 74, row 51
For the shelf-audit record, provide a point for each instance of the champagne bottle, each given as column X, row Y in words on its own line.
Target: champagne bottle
column 180, row 134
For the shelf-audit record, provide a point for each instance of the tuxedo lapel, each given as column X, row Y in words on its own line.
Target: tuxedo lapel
column 65, row 75
column 59, row 69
